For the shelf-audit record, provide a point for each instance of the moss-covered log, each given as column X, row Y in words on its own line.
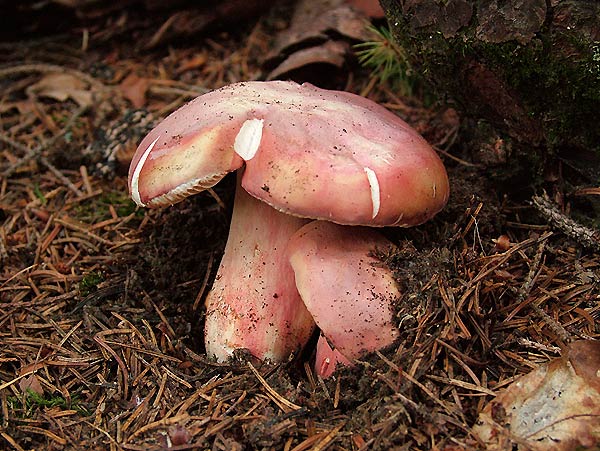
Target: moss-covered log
column 528, row 68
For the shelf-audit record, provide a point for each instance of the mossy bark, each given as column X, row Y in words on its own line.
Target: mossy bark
column 530, row 69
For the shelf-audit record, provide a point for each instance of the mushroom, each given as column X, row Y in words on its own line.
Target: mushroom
column 254, row 304
column 306, row 152
column 348, row 292
column 327, row 358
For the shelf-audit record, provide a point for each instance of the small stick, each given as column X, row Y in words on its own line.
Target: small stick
column 99, row 338
column 329, row 438
column 12, row 441
column 86, row 180
column 59, row 175
column 279, row 400
column 533, row 269
column 588, row 238
column 200, row 294
column 3, row 251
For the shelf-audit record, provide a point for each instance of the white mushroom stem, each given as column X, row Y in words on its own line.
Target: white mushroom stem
column 254, row 303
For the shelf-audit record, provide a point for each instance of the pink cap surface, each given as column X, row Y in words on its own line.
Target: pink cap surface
column 309, row 152
column 348, row 292
column 327, row 359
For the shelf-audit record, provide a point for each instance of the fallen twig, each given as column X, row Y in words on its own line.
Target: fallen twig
column 586, row 237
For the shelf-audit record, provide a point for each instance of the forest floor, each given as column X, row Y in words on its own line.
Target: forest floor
column 101, row 303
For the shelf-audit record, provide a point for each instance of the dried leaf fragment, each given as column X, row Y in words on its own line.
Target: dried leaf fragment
column 319, row 32
column 31, row 381
column 134, row 89
column 556, row 406
column 62, row 87
column 371, row 8
column 332, row 52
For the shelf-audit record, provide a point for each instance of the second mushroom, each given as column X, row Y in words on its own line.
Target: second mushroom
column 302, row 153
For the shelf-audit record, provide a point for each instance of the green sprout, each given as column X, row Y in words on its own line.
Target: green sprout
column 39, row 194
column 387, row 60
column 89, row 283
column 123, row 205
column 32, row 401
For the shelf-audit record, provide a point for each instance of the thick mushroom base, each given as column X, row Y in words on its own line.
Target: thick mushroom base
column 254, row 303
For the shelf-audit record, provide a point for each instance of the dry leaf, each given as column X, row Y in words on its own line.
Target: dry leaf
column 555, row 407
column 332, row 52
column 32, row 383
column 134, row 89
column 319, row 32
column 371, row 8
column 315, row 20
column 62, row 87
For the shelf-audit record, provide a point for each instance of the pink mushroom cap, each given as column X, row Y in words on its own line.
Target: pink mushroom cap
column 348, row 292
column 308, row 151
column 327, row 358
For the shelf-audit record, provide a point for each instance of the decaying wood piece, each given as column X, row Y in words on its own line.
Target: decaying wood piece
column 527, row 68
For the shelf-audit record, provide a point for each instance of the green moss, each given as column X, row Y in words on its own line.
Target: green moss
column 123, row 205
column 27, row 405
column 89, row 283
column 98, row 209
column 555, row 77
column 39, row 194
column 562, row 94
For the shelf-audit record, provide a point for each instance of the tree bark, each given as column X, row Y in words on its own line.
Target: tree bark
column 530, row 69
